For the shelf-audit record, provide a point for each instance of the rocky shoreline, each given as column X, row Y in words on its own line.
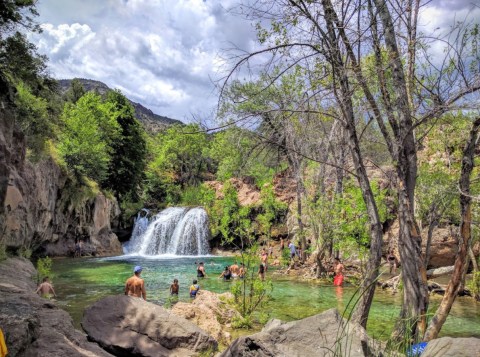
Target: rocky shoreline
column 125, row 326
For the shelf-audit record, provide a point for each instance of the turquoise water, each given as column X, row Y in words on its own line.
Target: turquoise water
column 80, row 282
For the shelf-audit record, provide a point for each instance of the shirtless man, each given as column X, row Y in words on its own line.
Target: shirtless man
column 135, row 286
column 234, row 269
column 45, row 289
column 264, row 258
column 338, row 269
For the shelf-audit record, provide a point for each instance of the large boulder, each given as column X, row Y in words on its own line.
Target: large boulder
column 129, row 326
column 322, row 335
column 34, row 326
column 210, row 312
column 453, row 347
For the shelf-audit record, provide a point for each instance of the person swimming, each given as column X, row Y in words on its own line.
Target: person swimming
column 226, row 274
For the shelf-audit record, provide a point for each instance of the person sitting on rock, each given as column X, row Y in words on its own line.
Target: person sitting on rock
column 174, row 288
column 135, row 286
column 194, row 289
column 226, row 274
column 45, row 289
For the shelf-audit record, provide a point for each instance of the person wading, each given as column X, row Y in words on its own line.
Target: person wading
column 135, row 286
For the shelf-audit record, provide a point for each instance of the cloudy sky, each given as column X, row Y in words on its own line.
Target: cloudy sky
column 163, row 53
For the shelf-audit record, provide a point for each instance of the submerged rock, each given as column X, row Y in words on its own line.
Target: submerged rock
column 209, row 312
column 453, row 347
column 323, row 335
column 34, row 326
column 129, row 326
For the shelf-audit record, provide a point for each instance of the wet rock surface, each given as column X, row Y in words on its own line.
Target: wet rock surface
column 34, row 326
column 129, row 326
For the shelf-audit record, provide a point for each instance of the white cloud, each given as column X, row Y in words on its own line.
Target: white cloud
column 161, row 53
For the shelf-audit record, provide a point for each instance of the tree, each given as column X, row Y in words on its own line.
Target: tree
column 90, row 129
column 75, row 91
column 464, row 237
column 178, row 159
column 128, row 152
column 328, row 39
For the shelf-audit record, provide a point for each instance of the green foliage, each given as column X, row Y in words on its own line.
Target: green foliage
column 34, row 118
column 128, row 151
column 90, row 128
column 474, row 285
column 271, row 209
column 229, row 219
column 15, row 13
column 44, row 268
column 236, row 154
column 178, row 160
column 250, row 293
column 20, row 60
column 286, row 257
column 25, row 252
column 75, row 92
column 198, row 196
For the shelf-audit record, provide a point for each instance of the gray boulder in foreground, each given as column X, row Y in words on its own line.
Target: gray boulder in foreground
column 129, row 326
column 325, row 334
column 453, row 347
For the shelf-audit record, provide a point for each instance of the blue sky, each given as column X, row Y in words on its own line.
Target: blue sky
column 165, row 54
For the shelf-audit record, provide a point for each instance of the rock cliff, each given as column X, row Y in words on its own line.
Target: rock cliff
column 41, row 208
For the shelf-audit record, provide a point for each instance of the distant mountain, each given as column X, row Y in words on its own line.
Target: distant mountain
column 152, row 122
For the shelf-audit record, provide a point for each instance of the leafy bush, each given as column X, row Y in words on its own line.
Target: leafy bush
column 44, row 268
column 474, row 285
column 197, row 196
column 90, row 128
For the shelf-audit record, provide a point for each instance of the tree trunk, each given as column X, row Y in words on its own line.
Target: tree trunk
column 344, row 97
column 464, row 239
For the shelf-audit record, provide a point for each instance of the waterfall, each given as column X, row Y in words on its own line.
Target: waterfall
column 173, row 231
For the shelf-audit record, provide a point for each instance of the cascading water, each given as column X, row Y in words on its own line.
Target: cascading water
column 174, row 231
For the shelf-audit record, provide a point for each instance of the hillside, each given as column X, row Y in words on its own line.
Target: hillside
column 152, row 122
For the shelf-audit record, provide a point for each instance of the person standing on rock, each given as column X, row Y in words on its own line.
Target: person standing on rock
column 135, row 286
column 45, row 289
column 338, row 268
column 392, row 261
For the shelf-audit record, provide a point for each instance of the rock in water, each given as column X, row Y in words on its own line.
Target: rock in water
column 323, row 335
column 129, row 326
column 453, row 347
column 210, row 313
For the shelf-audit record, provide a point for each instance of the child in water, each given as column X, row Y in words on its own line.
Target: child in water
column 174, row 288
column 194, row 289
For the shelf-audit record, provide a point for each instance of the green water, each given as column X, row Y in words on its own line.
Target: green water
column 80, row 282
